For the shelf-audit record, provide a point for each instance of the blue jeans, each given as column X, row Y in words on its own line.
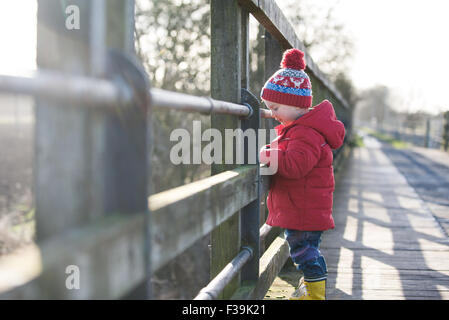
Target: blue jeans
column 305, row 253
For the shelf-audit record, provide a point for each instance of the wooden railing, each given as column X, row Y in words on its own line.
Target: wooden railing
column 92, row 163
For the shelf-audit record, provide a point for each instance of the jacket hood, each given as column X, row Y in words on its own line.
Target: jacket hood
column 324, row 120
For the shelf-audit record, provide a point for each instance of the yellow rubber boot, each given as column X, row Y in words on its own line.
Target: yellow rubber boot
column 310, row 290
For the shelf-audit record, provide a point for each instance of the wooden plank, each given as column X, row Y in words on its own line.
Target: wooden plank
column 271, row 236
column 114, row 245
column 372, row 282
column 271, row 263
column 402, row 260
column 386, row 245
column 108, row 255
column 183, row 215
column 365, row 294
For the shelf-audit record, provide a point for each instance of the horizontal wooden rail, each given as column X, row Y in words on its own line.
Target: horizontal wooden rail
column 108, row 253
column 183, row 215
column 115, row 244
column 116, row 234
column 264, row 231
column 270, row 264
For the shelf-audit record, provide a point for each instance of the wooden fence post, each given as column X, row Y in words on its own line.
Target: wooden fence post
column 61, row 170
column 88, row 163
column 273, row 57
column 249, row 215
column 226, row 26
column 446, row 131
column 427, row 136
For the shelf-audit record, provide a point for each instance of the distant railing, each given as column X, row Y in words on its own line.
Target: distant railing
column 428, row 132
column 93, row 145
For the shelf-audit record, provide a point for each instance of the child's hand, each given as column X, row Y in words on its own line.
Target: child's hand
column 264, row 154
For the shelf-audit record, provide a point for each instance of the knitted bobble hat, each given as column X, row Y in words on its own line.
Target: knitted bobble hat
column 290, row 85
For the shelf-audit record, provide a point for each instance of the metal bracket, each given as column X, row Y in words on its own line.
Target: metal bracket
column 249, row 100
column 130, row 77
column 249, row 249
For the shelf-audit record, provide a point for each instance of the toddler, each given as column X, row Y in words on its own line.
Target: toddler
column 301, row 191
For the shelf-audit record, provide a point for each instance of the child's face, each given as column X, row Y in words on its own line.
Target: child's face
column 283, row 113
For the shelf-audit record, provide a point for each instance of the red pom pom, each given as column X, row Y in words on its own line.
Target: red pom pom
column 293, row 59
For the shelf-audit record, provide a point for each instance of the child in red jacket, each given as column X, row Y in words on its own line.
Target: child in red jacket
column 301, row 191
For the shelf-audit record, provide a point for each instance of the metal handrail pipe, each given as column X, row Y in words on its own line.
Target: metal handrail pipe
column 96, row 92
column 163, row 99
column 266, row 114
column 89, row 92
column 216, row 286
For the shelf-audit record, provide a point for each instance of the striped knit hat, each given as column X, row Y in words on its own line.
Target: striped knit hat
column 290, row 85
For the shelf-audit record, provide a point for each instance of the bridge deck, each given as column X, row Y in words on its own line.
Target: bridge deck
column 387, row 243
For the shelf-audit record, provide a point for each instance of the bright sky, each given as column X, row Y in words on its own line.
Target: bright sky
column 17, row 35
column 399, row 43
column 402, row 44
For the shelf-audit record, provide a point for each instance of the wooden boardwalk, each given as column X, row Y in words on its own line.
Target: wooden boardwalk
column 386, row 243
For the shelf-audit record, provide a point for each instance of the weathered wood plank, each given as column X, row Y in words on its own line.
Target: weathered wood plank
column 384, row 294
column 271, row 263
column 386, row 245
column 183, row 215
column 109, row 252
column 226, row 81
column 108, row 255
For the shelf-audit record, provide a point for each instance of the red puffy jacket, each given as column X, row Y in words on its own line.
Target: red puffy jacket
column 301, row 190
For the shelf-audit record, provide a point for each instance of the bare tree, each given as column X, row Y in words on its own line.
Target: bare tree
column 324, row 37
column 374, row 105
column 173, row 42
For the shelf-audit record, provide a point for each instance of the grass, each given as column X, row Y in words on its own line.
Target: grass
column 357, row 141
column 398, row 144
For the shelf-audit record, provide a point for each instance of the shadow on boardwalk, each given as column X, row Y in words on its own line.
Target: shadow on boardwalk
column 389, row 241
